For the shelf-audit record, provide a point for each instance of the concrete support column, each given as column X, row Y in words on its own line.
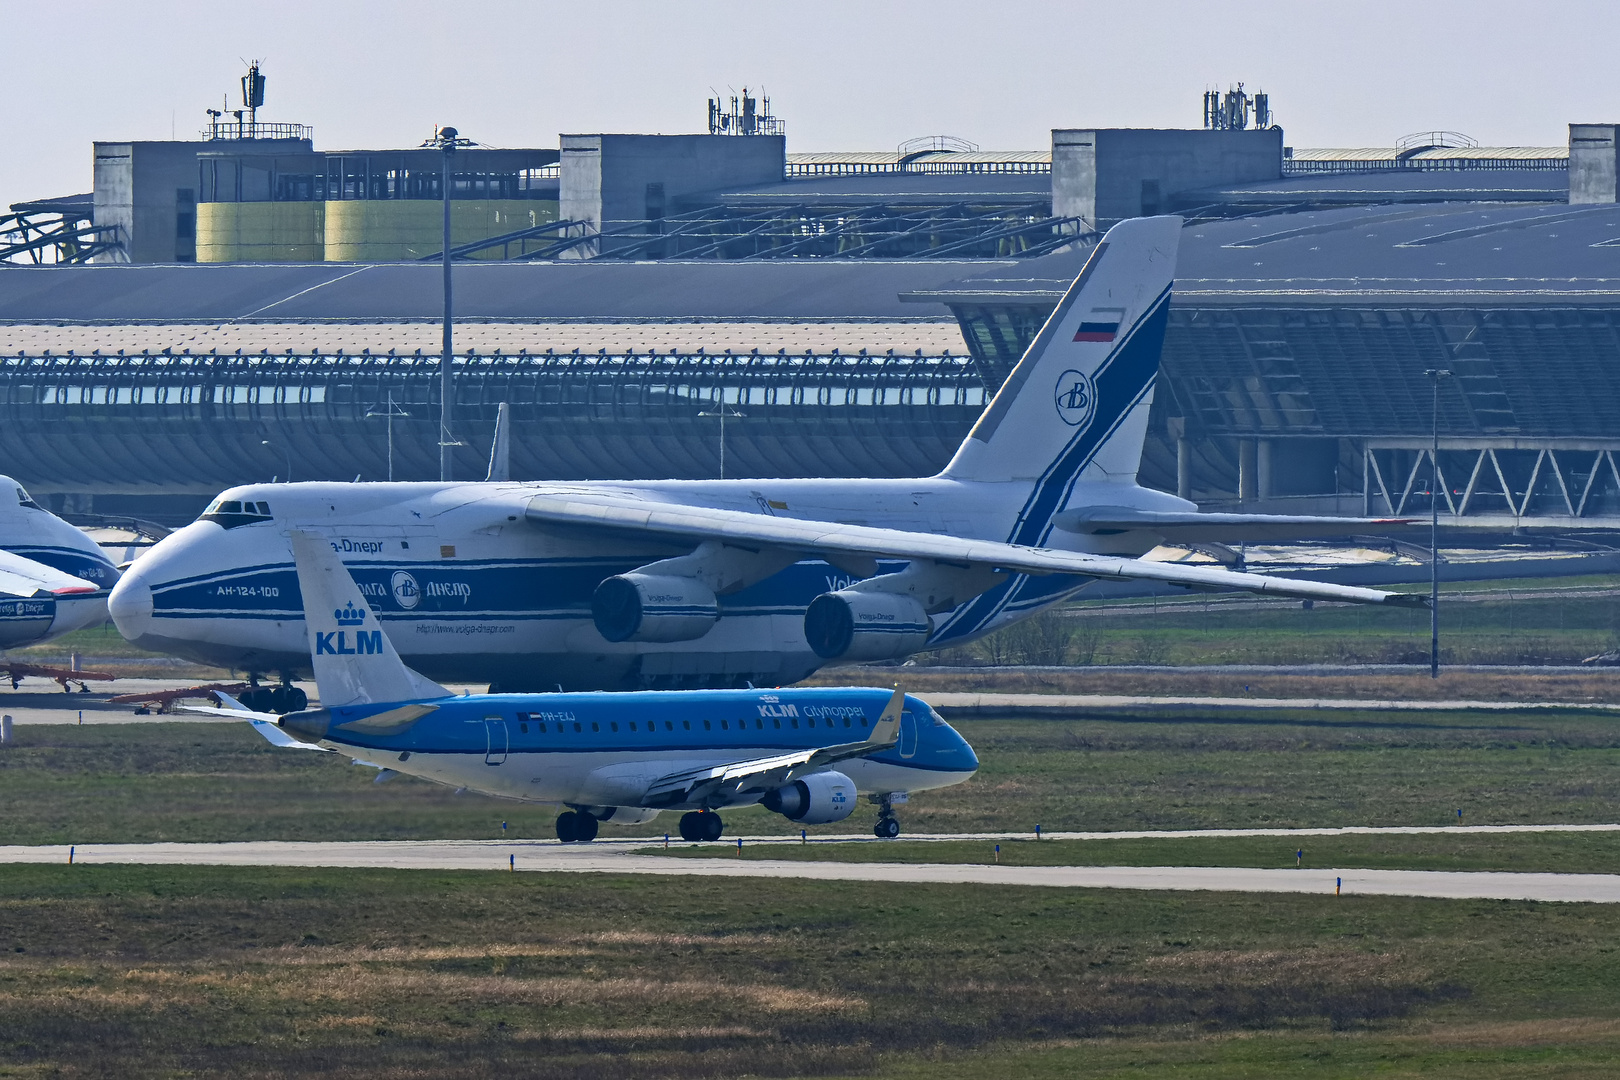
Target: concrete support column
column 1184, row 469
column 1594, row 163
column 78, row 502
column 1248, row 467
column 1262, row 469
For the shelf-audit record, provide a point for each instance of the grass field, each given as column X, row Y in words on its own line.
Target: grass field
column 1551, row 852
column 1504, row 622
column 168, row 971
column 1171, row 769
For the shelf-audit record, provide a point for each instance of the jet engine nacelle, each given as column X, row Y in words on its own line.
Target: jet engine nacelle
column 815, row 800
column 653, row 607
column 852, row 625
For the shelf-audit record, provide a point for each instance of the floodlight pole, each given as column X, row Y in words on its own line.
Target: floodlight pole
column 447, row 140
column 447, row 400
column 1435, row 375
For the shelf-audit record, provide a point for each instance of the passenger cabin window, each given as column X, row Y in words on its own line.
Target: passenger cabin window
column 595, row 726
column 614, row 726
column 687, row 724
column 577, row 727
column 725, row 725
column 707, row 726
column 234, row 513
column 524, row 728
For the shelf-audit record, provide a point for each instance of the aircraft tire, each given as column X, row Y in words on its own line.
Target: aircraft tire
column 690, row 827
column 584, row 828
column 887, row 828
column 567, row 827
column 711, row 825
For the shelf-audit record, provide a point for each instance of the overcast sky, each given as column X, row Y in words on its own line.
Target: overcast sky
column 862, row 75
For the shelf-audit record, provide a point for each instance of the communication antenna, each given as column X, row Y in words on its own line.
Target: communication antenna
column 253, row 95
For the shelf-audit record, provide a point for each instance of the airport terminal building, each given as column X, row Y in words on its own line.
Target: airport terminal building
column 683, row 305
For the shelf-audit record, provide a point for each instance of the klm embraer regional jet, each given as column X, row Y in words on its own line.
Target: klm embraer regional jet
column 806, row 754
column 618, row 585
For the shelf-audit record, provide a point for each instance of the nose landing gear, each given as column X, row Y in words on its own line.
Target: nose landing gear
column 699, row 825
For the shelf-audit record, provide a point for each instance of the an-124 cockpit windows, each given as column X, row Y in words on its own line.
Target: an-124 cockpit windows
column 24, row 500
column 232, row 513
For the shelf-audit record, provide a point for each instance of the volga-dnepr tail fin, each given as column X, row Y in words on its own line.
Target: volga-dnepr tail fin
column 354, row 661
column 1076, row 406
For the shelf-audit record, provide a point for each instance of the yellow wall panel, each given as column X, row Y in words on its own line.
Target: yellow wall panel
column 260, row 232
column 394, row 230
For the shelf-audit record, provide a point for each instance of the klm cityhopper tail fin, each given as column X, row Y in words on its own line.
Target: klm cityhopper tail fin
column 355, row 663
column 1076, row 406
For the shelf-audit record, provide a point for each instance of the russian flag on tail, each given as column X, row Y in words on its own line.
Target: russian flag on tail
column 1097, row 331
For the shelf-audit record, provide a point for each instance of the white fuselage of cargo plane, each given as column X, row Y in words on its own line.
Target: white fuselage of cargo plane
column 721, row 583
column 469, row 589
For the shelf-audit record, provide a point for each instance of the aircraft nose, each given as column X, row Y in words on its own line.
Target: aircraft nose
column 130, row 603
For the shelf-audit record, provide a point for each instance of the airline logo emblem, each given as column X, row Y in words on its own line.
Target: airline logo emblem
column 349, row 615
column 336, row 643
column 407, row 594
column 1075, row 397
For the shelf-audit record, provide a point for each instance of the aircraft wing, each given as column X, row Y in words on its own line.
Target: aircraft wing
column 1221, row 528
column 20, row 577
column 696, row 785
column 625, row 513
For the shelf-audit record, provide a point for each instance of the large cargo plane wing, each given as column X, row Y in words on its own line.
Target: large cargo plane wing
column 624, row 513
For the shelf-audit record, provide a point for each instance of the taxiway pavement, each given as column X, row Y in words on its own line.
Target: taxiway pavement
column 619, row 857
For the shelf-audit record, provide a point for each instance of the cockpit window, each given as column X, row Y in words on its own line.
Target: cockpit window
column 232, row 513
column 24, row 500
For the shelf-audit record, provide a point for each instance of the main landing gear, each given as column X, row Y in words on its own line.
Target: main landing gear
column 701, row 825
column 888, row 826
column 282, row 699
column 574, row 827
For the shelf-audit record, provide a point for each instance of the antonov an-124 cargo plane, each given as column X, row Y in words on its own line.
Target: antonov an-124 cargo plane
column 711, row 583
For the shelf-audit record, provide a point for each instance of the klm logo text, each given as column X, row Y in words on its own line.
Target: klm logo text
column 336, row 643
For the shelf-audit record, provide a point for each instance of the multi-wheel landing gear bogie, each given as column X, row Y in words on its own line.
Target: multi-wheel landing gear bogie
column 282, row 699
column 576, row 827
column 699, row 825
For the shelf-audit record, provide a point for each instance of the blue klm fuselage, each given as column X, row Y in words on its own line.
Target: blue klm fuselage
column 604, row 749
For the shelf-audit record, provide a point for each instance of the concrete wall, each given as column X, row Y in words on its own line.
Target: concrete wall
column 149, row 190
column 614, row 181
column 1105, row 175
column 1594, row 163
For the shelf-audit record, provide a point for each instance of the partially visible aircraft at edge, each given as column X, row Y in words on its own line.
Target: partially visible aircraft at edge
column 694, row 583
column 53, row 578
column 807, row 754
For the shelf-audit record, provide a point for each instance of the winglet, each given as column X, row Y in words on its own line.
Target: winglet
column 886, row 732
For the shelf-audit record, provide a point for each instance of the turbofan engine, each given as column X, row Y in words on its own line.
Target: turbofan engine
column 653, row 607
column 852, row 625
column 815, row 800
